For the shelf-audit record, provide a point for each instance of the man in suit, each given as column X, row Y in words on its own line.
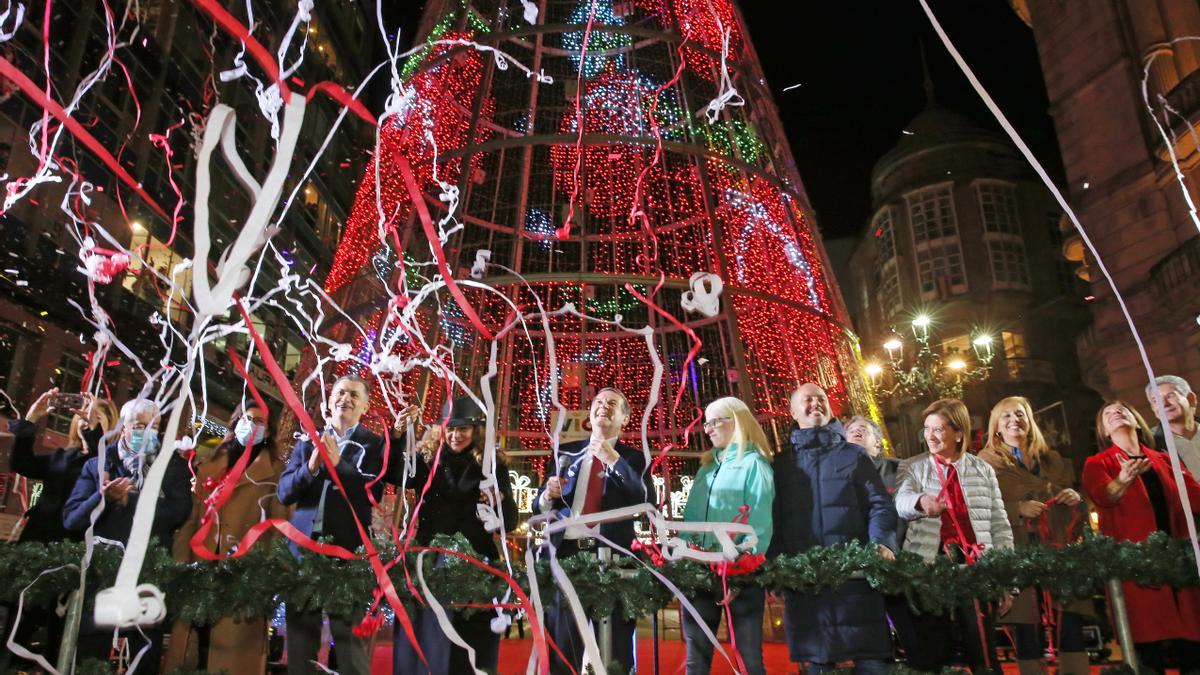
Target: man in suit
column 597, row 474
column 357, row 455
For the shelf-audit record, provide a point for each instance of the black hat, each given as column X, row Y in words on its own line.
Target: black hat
column 462, row 412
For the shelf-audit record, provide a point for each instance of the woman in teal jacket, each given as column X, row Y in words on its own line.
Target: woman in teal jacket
column 735, row 481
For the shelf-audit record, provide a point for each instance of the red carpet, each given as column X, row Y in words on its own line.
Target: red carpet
column 514, row 656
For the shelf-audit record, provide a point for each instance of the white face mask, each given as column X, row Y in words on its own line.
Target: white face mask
column 248, row 433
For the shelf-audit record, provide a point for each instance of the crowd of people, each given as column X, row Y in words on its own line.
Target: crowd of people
column 825, row 484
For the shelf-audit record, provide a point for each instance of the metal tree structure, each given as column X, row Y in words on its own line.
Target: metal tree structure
column 655, row 154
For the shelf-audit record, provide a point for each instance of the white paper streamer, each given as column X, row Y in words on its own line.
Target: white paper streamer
column 705, row 294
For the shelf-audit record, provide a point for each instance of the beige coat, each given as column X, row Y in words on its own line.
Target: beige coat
column 1018, row 484
column 236, row 646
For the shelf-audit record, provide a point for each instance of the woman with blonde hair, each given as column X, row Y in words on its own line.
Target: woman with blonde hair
column 58, row 471
column 735, row 481
column 1035, row 483
column 1134, row 490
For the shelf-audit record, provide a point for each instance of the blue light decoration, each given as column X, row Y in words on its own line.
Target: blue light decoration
column 368, row 347
column 540, row 228
column 756, row 217
column 454, row 325
column 599, row 40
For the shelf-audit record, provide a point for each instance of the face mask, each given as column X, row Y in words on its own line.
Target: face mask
column 143, row 441
column 248, row 433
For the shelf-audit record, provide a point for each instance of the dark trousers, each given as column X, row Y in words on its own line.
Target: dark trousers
column 1031, row 645
column 40, row 632
column 927, row 638
column 746, row 609
column 566, row 634
column 96, row 643
column 304, row 644
column 442, row 655
column 1181, row 654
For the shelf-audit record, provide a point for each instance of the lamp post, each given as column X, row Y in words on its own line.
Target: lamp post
column 924, row 372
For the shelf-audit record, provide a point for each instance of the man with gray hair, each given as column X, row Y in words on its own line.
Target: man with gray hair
column 116, row 477
column 1179, row 403
column 865, row 432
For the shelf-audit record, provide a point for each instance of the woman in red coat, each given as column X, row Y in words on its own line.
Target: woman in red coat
column 1135, row 495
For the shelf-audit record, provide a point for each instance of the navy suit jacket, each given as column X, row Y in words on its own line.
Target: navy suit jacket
column 626, row 483
column 361, row 462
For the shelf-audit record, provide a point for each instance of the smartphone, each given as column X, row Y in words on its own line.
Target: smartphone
column 68, row 401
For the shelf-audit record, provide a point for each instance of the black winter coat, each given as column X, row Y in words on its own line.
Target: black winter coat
column 58, row 472
column 450, row 504
column 827, row 491
column 173, row 509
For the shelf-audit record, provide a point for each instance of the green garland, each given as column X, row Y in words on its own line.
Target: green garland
column 254, row 585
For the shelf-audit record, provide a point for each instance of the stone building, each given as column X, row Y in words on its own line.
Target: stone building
column 1097, row 58
column 173, row 66
column 963, row 233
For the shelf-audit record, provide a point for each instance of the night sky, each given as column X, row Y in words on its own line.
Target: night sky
column 859, row 67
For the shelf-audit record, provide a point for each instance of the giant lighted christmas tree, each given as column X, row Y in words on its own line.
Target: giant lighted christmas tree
column 636, row 164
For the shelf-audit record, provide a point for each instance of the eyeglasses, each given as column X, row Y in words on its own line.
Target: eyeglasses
column 714, row 422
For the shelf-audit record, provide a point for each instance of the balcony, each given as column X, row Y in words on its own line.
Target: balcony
column 1029, row 370
column 1174, row 279
column 1183, row 99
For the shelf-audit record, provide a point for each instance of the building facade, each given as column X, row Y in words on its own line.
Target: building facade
column 172, row 83
column 1097, row 57
column 963, row 233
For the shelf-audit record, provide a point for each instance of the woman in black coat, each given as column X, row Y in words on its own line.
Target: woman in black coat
column 57, row 471
column 455, row 502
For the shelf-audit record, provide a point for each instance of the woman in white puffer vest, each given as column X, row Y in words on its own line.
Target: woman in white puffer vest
column 949, row 496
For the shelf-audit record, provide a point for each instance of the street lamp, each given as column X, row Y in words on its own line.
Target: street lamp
column 926, row 372
column 920, row 327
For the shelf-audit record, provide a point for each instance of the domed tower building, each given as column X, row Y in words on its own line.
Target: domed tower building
column 962, row 255
column 643, row 149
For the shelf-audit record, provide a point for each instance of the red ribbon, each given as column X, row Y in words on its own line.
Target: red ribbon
column 8, row 70
column 337, row 93
column 239, row 32
column 431, row 234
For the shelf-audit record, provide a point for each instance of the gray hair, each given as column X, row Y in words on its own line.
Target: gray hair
column 875, row 429
column 137, row 406
column 1181, row 385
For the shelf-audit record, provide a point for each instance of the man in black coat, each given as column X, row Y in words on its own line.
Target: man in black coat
column 116, row 478
column 827, row 492
column 598, row 474
column 358, row 457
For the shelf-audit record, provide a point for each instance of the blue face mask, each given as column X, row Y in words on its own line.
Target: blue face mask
column 143, row 441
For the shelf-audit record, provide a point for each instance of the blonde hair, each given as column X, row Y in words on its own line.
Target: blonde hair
column 1143, row 429
column 747, row 432
column 108, row 419
column 955, row 412
column 995, row 442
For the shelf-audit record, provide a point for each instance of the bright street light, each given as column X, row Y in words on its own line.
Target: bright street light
column 957, row 364
column 874, row 369
column 982, row 341
column 893, row 344
column 922, row 321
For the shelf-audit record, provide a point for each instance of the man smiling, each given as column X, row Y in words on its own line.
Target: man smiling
column 828, row 492
column 357, row 455
column 597, row 474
